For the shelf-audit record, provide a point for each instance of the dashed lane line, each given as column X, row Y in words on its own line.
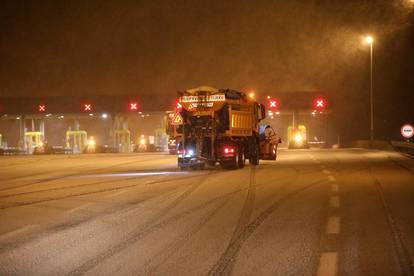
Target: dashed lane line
column 334, row 225
column 326, row 172
column 328, row 264
column 331, row 178
column 334, row 188
column 334, row 202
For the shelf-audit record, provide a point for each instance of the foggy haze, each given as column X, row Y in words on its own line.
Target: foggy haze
column 158, row 47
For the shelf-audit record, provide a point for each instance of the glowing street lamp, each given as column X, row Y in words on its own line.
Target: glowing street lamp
column 369, row 40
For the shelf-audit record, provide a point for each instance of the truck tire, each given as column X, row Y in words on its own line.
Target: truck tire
column 242, row 158
column 255, row 155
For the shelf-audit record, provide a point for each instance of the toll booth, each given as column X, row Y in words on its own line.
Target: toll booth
column 32, row 140
column 77, row 140
column 297, row 137
column 122, row 139
column 161, row 139
column 121, row 136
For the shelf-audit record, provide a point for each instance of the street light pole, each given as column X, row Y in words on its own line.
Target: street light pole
column 370, row 41
column 371, row 94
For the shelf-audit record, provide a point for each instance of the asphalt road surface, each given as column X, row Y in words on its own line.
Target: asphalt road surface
column 311, row 212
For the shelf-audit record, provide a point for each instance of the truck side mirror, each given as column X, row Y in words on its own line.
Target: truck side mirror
column 261, row 112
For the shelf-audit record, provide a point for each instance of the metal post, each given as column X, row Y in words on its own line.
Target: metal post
column 371, row 97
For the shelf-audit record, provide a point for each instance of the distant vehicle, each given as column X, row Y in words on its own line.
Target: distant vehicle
column 43, row 148
column 221, row 125
column 297, row 137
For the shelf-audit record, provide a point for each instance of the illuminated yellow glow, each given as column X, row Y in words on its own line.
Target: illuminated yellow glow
column 40, row 144
column 251, row 95
column 142, row 141
column 91, row 142
column 298, row 138
column 369, row 39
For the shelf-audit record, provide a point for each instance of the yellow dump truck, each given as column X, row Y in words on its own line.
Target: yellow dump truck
column 218, row 125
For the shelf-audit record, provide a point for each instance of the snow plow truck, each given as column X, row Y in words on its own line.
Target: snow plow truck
column 220, row 126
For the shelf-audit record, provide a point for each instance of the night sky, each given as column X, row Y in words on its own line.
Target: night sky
column 52, row 48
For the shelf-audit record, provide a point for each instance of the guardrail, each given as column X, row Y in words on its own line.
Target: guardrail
column 406, row 147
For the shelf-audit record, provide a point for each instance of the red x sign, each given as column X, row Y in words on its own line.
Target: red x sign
column 273, row 103
column 87, row 107
column 133, row 106
column 319, row 103
column 42, row 108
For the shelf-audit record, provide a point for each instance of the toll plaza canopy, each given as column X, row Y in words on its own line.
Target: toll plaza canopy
column 69, row 104
column 301, row 100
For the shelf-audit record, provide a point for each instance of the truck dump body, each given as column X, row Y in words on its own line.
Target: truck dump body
column 219, row 125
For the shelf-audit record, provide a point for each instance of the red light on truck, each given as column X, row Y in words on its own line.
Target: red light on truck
column 229, row 150
column 178, row 106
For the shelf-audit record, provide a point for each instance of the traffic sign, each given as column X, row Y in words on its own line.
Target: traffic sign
column 407, row 131
column 133, row 106
column 177, row 119
column 272, row 103
column 41, row 107
column 87, row 107
column 319, row 103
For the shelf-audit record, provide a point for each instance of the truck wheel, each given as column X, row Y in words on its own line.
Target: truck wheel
column 242, row 160
column 255, row 155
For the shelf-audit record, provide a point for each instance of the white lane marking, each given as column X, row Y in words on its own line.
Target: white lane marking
column 326, row 172
column 334, row 225
column 117, row 193
column 331, row 178
column 328, row 264
column 79, row 207
column 137, row 174
column 16, row 232
column 334, row 202
column 334, row 188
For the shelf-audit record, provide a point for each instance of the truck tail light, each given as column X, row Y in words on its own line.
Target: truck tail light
column 228, row 150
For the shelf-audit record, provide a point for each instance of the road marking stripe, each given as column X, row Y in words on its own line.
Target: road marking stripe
column 334, row 202
column 334, row 225
column 328, row 264
column 326, row 172
column 334, row 188
column 331, row 178
column 79, row 207
column 13, row 233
